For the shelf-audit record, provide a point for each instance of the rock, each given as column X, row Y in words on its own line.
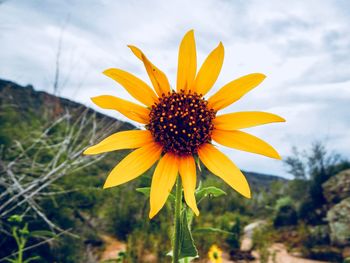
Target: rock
column 247, row 242
column 338, row 218
column 337, row 187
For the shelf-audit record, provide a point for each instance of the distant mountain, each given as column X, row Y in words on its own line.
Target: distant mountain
column 23, row 107
column 262, row 181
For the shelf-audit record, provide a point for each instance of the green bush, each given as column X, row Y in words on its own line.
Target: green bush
column 285, row 213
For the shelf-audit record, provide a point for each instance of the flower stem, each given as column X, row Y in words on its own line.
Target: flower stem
column 177, row 221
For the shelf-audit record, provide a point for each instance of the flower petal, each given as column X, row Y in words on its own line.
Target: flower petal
column 244, row 119
column 134, row 164
column 135, row 86
column 220, row 165
column 234, row 90
column 158, row 78
column 187, row 65
column 187, row 169
column 131, row 110
column 244, row 142
column 122, row 140
column 210, row 70
column 163, row 180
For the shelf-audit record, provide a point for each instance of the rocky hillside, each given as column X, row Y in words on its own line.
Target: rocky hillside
column 23, row 109
column 337, row 192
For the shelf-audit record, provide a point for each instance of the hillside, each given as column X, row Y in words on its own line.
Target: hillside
column 24, row 106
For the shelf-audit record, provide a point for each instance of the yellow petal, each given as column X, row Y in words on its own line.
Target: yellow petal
column 187, row 65
column 234, row 90
column 245, row 119
column 121, row 140
column 163, row 180
column 135, row 86
column 210, row 70
column 158, row 78
column 187, row 170
column 133, row 165
column 220, row 165
column 131, row 110
column 244, row 142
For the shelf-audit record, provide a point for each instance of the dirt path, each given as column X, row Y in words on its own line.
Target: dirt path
column 113, row 247
column 280, row 255
column 247, row 241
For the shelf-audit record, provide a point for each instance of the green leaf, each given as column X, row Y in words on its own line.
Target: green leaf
column 147, row 191
column 187, row 247
column 15, row 219
column 31, row 259
column 24, row 231
column 212, row 230
column 187, row 259
column 144, row 190
column 209, row 191
column 190, row 215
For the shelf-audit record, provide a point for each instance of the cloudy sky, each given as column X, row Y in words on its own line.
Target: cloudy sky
column 302, row 46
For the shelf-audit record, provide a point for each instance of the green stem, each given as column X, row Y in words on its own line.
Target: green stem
column 177, row 221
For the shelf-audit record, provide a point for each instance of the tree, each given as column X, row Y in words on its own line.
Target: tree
column 310, row 170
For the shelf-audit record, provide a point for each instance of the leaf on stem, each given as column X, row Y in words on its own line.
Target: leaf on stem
column 209, row 191
column 187, row 247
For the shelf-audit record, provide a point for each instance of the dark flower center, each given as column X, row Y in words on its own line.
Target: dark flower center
column 181, row 122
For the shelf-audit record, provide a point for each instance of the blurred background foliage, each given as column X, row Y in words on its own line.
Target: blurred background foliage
column 67, row 217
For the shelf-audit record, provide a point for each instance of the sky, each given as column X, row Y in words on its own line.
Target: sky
column 302, row 46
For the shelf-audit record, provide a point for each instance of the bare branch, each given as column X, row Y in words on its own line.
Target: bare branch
column 56, row 82
column 27, row 179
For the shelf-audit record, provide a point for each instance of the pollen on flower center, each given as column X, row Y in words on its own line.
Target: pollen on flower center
column 181, row 122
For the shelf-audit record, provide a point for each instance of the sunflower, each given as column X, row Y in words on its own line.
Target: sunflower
column 180, row 125
column 215, row 254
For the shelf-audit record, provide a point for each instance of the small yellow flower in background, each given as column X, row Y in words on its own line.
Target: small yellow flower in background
column 182, row 124
column 215, row 254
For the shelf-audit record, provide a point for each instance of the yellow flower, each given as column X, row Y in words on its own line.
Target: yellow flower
column 181, row 124
column 215, row 254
